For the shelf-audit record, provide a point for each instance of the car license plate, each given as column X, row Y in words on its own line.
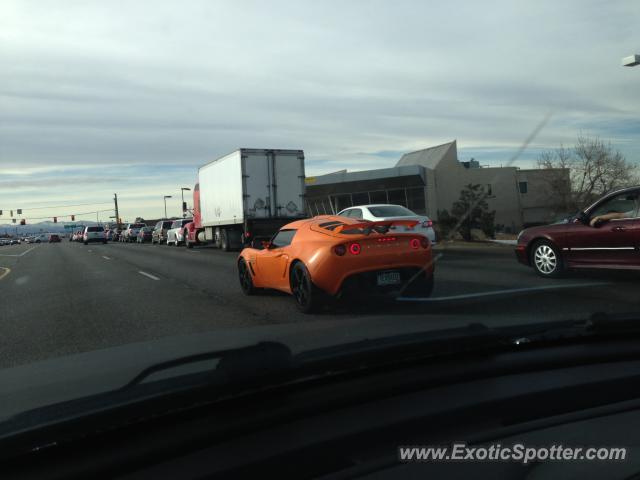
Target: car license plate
column 388, row 278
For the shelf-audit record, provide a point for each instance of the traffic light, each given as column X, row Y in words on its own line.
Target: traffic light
column 19, row 211
column 23, row 221
column 55, row 219
column 0, row 213
column 73, row 218
column 184, row 206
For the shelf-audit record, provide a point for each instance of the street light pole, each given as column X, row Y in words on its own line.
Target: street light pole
column 184, row 209
column 165, row 205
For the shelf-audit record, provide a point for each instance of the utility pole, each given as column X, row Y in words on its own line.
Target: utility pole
column 115, row 199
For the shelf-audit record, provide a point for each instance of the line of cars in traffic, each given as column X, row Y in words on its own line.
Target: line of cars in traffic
column 169, row 232
column 40, row 238
column 9, row 241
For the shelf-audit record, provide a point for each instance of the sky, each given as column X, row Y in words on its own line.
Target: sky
column 104, row 97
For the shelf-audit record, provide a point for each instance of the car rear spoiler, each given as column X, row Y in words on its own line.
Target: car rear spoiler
column 382, row 226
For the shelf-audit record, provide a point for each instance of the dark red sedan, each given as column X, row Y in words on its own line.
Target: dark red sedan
column 605, row 235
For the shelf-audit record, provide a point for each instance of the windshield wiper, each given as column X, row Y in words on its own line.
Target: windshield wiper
column 234, row 365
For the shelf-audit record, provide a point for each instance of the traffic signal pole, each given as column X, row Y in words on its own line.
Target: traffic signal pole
column 115, row 199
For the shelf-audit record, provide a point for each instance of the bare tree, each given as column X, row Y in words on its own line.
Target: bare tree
column 595, row 168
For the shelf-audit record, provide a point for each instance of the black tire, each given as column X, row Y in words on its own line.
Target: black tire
column 224, row 241
column 104, row 242
column 305, row 293
column 188, row 243
column 86, row 243
column 420, row 287
column 546, row 259
column 244, row 275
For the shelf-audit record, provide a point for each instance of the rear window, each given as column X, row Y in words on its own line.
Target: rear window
column 94, row 229
column 137, row 225
column 391, row 211
column 167, row 224
column 185, row 221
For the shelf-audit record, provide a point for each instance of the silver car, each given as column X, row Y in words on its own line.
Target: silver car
column 175, row 234
column 130, row 234
column 381, row 212
column 93, row 234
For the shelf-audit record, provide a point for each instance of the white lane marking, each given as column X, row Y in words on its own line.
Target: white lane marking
column 90, row 251
column 6, row 272
column 106, row 258
column 152, row 277
column 23, row 253
column 495, row 293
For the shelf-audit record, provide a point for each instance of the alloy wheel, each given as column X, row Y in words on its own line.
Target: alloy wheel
column 545, row 259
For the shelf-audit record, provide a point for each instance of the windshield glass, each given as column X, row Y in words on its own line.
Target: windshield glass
column 477, row 129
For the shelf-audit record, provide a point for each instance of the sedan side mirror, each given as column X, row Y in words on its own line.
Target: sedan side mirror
column 581, row 217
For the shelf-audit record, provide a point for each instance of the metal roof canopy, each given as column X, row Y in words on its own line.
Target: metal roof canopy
column 368, row 180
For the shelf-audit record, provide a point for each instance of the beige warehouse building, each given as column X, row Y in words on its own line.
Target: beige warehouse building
column 430, row 180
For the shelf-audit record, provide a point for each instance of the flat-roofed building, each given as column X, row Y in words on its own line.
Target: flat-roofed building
column 430, row 180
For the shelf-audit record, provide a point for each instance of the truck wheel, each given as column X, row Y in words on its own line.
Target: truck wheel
column 224, row 241
column 188, row 243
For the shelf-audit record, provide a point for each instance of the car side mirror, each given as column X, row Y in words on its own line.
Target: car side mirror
column 581, row 217
column 266, row 244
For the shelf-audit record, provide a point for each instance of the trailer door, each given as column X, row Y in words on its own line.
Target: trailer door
column 288, row 185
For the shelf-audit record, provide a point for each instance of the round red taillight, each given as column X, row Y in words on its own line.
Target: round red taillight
column 355, row 249
column 340, row 250
column 424, row 241
column 415, row 243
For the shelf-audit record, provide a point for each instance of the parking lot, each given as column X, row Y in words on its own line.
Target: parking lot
column 67, row 297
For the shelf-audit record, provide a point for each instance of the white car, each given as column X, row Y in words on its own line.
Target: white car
column 381, row 212
column 94, row 234
column 130, row 234
column 175, row 235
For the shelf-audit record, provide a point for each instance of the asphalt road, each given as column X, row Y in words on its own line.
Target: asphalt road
column 58, row 299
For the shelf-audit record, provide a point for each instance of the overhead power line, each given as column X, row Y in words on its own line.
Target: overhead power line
column 65, row 216
column 62, row 206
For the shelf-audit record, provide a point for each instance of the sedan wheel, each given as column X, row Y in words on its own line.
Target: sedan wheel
column 546, row 260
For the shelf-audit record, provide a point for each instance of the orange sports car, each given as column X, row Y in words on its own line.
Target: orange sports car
column 331, row 255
